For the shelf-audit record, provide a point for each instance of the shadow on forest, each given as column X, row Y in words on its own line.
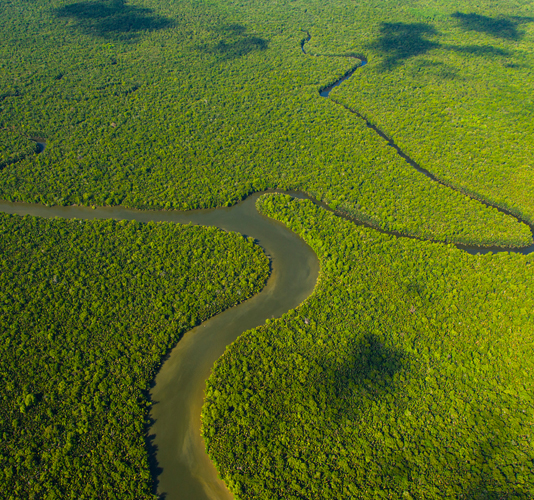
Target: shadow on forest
column 485, row 451
column 491, row 445
column 113, row 19
column 502, row 27
column 436, row 69
column 401, row 41
column 480, row 50
column 236, row 42
column 369, row 375
column 369, row 368
column 152, row 449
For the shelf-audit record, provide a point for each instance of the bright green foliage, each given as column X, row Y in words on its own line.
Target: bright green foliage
column 87, row 311
column 407, row 374
column 14, row 147
column 189, row 104
column 451, row 83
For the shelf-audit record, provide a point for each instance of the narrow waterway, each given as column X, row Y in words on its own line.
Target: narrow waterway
column 187, row 472
column 325, row 92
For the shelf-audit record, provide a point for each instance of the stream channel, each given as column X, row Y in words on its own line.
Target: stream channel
column 183, row 469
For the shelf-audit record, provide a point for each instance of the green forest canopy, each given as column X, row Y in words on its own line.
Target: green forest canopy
column 196, row 104
column 409, row 363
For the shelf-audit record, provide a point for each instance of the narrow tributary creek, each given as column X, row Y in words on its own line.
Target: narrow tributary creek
column 325, row 92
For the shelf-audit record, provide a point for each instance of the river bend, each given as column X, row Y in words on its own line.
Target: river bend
column 184, row 470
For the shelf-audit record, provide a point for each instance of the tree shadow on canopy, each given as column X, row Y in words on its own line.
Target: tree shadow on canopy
column 233, row 42
column 113, row 19
column 500, row 27
column 480, row 50
column 401, row 41
column 491, row 451
column 367, row 373
column 475, row 469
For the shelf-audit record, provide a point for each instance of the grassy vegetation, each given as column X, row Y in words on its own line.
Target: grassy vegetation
column 189, row 104
column 407, row 374
column 88, row 309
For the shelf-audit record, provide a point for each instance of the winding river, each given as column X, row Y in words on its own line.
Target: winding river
column 325, row 92
column 182, row 468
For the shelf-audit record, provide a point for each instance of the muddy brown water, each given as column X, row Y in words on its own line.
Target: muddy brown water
column 184, row 470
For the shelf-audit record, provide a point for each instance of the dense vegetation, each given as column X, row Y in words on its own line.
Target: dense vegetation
column 150, row 103
column 448, row 83
column 88, row 309
column 14, row 147
column 407, row 374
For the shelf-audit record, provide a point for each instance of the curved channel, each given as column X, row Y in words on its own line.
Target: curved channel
column 183, row 469
column 325, row 92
